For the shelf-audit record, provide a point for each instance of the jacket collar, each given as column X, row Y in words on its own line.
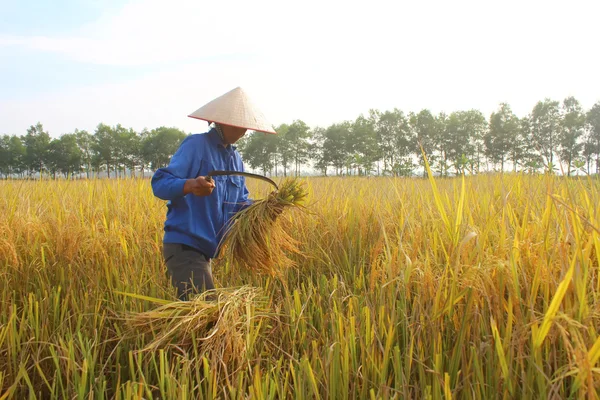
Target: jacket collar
column 215, row 138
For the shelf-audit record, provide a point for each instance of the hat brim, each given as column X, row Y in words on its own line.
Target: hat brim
column 235, row 126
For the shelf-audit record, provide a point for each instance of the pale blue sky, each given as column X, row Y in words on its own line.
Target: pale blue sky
column 51, row 17
column 145, row 63
column 26, row 72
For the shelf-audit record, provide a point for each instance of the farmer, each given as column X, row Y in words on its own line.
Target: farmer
column 198, row 208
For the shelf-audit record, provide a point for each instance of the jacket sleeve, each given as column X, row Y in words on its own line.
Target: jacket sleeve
column 168, row 182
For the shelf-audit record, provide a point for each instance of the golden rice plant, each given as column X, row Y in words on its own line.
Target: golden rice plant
column 219, row 320
column 257, row 239
column 480, row 287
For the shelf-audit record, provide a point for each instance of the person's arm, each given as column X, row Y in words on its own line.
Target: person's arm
column 177, row 179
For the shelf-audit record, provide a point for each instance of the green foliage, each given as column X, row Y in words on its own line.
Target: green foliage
column 463, row 137
column 364, row 145
column 159, row 145
column 573, row 122
column 260, row 150
column 545, row 128
column 502, row 136
column 64, row 156
column 296, row 144
column 105, row 145
column 332, row 150
column 395, row 138
column 37, row 142
column 552, row 136
column 4, row 154
column 592, row 145
column 424, row 126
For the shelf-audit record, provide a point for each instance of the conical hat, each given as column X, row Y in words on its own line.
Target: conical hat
column 236, row 109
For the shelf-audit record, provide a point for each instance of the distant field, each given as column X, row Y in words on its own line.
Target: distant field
column 406, row 290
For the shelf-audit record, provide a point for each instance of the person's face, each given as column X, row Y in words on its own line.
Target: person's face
column 232, row 134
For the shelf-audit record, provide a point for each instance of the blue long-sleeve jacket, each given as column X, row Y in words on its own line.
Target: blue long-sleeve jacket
column 200, row 221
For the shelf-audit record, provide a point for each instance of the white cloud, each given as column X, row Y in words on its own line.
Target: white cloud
column 321, row 61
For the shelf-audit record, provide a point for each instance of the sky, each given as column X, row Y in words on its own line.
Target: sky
column 72, row 64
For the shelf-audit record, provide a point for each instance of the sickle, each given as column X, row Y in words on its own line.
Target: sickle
column 245, row 174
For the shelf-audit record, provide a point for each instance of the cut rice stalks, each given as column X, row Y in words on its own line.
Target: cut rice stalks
column 219, row 327
column 257, row 239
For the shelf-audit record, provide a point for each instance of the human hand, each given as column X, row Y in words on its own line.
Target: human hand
column 200, row 186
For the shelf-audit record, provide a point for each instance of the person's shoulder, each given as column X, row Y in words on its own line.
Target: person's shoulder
column 198, row 136
column 194, row 139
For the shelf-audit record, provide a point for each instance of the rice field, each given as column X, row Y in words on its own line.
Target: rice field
column 481, row 288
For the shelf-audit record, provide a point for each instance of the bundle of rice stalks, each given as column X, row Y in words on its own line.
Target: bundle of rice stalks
column 220, row 327
column 257, row 239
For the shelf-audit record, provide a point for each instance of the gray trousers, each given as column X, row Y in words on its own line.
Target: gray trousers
column 188, row 268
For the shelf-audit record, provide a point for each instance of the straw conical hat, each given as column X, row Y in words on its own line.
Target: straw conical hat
column 236, row 109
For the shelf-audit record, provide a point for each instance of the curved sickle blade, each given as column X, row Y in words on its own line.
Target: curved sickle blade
column 245, row 174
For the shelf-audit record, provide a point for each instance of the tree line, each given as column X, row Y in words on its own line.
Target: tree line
column 114, row 150
column 553, row 135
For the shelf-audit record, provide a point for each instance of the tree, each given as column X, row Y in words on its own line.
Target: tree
column 4, row 155
column 593, row 137
column 259, row 151
column 476, row 125
column 517, row 147
column 104, row 146
column 318, row 155
column 17, row 154
column 64, row 155
column 395, row 138
column 464, row 131
column 504, row 126
column 128, row 152
column 365, row 147
column 159, row 145
column 37, row 142
column 85, row 144
column 333, row 148
column 545, row 129
column 296, row 143
column 283, row 155
column 523, row 151
column 441, row 143
column 54, row 157
column 423, row 126
column 573, row 123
